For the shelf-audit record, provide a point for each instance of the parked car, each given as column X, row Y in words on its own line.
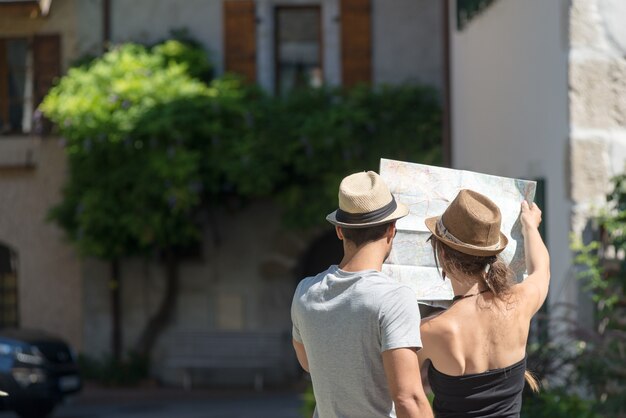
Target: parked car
column 37, row 371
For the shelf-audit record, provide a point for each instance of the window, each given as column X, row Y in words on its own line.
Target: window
column 8, row 288
column 298, row 47
column 16, row 85
column 28, row 68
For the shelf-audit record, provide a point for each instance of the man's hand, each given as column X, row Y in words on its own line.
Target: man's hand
column 405, row 383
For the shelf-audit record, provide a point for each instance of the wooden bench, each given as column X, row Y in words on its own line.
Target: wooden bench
column 258, row 351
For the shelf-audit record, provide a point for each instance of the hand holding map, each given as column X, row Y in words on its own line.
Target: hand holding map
column 427, row 191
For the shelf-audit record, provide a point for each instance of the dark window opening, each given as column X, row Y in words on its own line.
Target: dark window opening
column 16, row 85
column 8, row 288
column 298, row 48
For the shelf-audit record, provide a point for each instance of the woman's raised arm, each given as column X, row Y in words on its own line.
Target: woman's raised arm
column 537, row 283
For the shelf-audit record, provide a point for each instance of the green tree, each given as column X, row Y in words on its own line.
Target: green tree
column 152, row 147
column 126, row 194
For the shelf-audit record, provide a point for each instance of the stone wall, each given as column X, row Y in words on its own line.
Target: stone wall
column 597, row 94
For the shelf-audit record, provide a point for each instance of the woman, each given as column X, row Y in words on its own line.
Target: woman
column 477, row 347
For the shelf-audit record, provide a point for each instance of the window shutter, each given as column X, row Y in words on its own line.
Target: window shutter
column 356, row 42
column 240, row 38
column 47, row 68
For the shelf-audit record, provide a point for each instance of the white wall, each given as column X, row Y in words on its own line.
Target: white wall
column 407, row 41
column 510, row 108
column 147, row 21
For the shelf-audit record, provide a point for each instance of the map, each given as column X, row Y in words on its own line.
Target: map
column 427, row 191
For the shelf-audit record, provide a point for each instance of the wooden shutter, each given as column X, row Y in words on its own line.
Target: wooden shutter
column 4, row 85
column 47, row 68
column 240, row 38
column 356, row 42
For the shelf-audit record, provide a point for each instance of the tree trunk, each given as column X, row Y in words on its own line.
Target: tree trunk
column 115, row 286
column 162, row 317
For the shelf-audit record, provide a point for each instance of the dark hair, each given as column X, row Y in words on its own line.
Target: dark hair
column 360, row 236
column 499, row 277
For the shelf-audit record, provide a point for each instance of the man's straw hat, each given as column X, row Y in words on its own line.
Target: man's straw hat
column 364, row 201
column 471, row 225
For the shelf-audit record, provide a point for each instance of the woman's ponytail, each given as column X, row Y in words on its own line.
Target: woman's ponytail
column 498, row 277
column 532, row 381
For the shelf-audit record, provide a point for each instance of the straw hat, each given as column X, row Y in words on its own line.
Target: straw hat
column 364, row 201
column 471, row 225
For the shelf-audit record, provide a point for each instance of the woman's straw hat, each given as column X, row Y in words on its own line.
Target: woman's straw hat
column 471, row 225
column 364, row 201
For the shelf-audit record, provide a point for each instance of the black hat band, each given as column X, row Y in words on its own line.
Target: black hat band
column 367, row 217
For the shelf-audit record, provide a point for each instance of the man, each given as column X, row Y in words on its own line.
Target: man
column 354, row 329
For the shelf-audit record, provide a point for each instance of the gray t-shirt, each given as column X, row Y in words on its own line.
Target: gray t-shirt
column 345, row 321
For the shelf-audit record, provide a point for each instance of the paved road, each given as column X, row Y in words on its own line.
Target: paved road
column 177, row 404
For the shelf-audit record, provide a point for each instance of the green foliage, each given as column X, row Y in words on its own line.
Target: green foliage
column 125, row 194
column 110, row 372
column 556, row 404
column 602, row 363
column 150, row 145
column 105, row 99
column 308, row 402
column 191, row 55
column 322, row 135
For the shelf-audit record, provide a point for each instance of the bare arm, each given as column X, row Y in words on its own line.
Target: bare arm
column 301, row 355
column 405, row 384
column 537, row 258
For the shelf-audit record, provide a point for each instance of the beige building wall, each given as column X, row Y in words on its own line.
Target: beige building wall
column 32, row 170
column 510, row 109
column 48, row 271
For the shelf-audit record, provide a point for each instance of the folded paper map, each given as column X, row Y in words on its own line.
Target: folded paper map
column 427, row 191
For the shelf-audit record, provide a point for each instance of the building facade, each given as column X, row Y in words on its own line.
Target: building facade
column 244, row 276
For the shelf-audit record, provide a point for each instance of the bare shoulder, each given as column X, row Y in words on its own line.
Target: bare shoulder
column 438, row 335
column 438, row 326
column 525, row 295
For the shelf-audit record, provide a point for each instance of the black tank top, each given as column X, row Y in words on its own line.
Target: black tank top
column 491, row 394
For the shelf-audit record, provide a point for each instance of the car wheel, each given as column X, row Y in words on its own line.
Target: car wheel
column 41, row 410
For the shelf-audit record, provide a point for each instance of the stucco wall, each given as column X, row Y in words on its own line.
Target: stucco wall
column 49, row 280
column 509, row 109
